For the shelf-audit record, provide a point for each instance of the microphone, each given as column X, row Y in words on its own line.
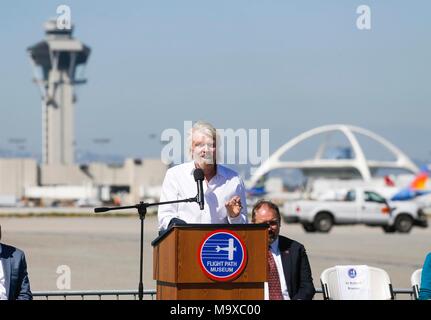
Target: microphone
column 198, row 174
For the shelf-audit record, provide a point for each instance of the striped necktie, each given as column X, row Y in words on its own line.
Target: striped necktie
column 274, row 279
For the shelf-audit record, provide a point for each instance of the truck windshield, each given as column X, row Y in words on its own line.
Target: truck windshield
column 374, row 197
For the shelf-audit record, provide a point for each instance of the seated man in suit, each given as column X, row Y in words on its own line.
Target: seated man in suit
column 289, row 270
column 14, row 283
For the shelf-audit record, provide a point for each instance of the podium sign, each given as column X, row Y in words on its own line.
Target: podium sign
column 207, row 261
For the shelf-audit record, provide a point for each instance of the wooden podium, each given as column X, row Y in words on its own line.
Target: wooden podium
column 179, row 271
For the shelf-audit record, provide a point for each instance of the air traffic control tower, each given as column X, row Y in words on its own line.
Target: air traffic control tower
column 55, row 62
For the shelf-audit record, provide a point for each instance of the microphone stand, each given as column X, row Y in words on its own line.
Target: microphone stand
column 142, row 210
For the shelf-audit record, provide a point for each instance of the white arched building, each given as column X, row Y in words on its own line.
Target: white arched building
column 334, row 167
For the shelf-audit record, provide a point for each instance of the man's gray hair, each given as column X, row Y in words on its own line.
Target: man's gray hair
column 205, row 128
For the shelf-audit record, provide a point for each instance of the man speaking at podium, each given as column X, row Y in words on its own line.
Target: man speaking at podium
column 222, row 194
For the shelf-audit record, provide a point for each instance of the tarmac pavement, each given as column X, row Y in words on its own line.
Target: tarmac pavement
column 103, row 252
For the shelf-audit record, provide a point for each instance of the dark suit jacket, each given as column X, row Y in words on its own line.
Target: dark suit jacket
column 15, row 271
column 296, row 268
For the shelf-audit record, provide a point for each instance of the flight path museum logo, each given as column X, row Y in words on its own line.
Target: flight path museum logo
column 222, row 255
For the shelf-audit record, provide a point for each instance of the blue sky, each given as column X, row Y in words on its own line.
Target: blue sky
column 288, row 66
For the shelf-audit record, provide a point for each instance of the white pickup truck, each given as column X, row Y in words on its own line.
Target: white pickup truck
column 358, row 207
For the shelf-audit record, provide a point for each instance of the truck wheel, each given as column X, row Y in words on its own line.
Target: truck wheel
column 388, row 229
column 323, row 222
column 308, row 227
column 403, row 223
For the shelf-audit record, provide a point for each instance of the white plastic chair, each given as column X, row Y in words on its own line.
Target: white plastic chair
column 380, row 284
column 415, row 280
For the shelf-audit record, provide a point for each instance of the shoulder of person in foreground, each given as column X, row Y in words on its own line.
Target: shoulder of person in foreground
column 427, row 262
column 306, row 290
column 17, row 257
column 425, row 285
column 286, row 243
column 8, row 251
column 180, row 168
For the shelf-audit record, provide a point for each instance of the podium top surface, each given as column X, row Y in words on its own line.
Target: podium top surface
column 209, row 226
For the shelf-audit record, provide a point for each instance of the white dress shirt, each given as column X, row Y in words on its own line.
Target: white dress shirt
column 277, row 258
column 3, row 295
column 179, row 184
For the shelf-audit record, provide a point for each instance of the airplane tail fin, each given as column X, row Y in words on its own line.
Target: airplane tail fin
column 416, row 188
column 420, row 180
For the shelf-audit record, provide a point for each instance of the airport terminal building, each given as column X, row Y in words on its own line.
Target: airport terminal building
column 24, row 181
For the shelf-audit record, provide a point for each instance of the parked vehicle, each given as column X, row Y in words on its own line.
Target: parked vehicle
column 359, row 206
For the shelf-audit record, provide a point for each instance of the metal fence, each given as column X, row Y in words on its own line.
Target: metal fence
column 94, row 294
column 149, row 294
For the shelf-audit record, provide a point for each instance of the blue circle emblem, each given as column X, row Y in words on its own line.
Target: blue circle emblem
column 222, row 255
column 352, row 273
